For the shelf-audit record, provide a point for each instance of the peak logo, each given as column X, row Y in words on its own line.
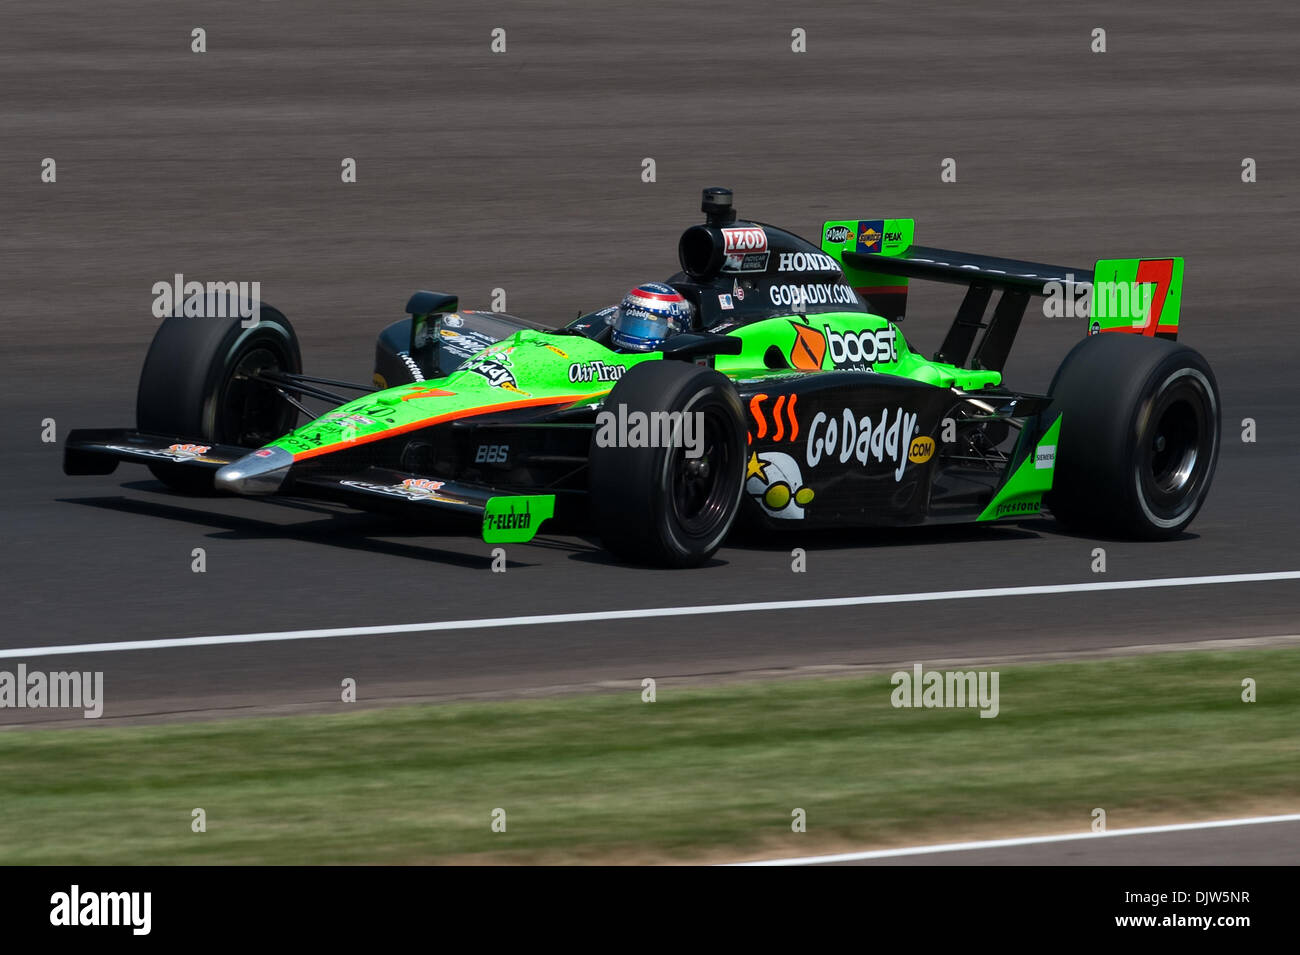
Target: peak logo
column 862, row 348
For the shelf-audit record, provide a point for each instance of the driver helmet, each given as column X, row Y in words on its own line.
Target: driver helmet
column 648, row 316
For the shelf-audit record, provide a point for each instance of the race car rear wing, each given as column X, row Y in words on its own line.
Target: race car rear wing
column 1141, row 296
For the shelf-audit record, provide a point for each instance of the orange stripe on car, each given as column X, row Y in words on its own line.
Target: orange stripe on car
column 438, row 419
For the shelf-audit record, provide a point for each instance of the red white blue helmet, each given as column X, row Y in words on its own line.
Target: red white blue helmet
column 648, row 316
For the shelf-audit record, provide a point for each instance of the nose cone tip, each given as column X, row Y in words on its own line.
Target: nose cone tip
column 261, row 472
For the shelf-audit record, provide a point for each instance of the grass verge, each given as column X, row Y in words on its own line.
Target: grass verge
column 700, row 774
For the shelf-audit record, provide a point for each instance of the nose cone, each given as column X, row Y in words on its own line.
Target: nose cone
column 261, row 472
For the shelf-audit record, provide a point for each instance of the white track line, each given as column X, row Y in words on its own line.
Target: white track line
column 1026, row 841
column 588, row 617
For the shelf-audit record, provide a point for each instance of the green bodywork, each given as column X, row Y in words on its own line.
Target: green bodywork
column 1138, row 295
column 1022, row 493
column 555, row 371
column 535, row 369
column 881, row 236
column 532, row 368
column 516, row 518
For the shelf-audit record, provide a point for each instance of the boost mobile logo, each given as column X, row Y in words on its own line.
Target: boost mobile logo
column 866, row 346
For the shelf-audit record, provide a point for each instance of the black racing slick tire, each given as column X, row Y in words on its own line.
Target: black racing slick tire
column 668, row 506
column 1140, row 436
column 195, row 385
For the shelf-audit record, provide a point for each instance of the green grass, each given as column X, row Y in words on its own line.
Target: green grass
column 711, row 772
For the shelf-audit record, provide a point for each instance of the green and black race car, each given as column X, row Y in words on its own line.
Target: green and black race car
column 791, row 398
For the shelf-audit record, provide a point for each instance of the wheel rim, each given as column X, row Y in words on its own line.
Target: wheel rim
column 701, row 498
column 251, row 413
column 1177, row 445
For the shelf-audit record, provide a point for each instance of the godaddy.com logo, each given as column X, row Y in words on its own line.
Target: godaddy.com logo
column 651, row 429
column 943, row 689
column 192, row 299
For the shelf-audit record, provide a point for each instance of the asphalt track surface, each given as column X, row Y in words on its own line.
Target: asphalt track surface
column 1258, row 845
column 522, row 171
column 1242, row 841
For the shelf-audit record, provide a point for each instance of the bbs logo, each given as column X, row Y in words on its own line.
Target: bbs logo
column 851, row 349
column 492, row 454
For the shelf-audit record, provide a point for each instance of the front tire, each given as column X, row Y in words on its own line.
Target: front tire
column 1139, row 438
column 658, row 505
column 196, row 386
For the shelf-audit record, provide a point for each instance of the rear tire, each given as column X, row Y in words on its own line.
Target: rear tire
column 1139, row 438
column 194, row 387
column 656, row 505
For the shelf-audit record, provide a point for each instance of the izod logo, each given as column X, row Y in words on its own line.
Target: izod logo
column 922, row 450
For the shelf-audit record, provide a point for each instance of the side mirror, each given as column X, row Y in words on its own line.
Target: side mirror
column 423, row 306
column 692, row 345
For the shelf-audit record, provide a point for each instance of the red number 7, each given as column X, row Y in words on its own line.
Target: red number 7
column 1161, row 273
